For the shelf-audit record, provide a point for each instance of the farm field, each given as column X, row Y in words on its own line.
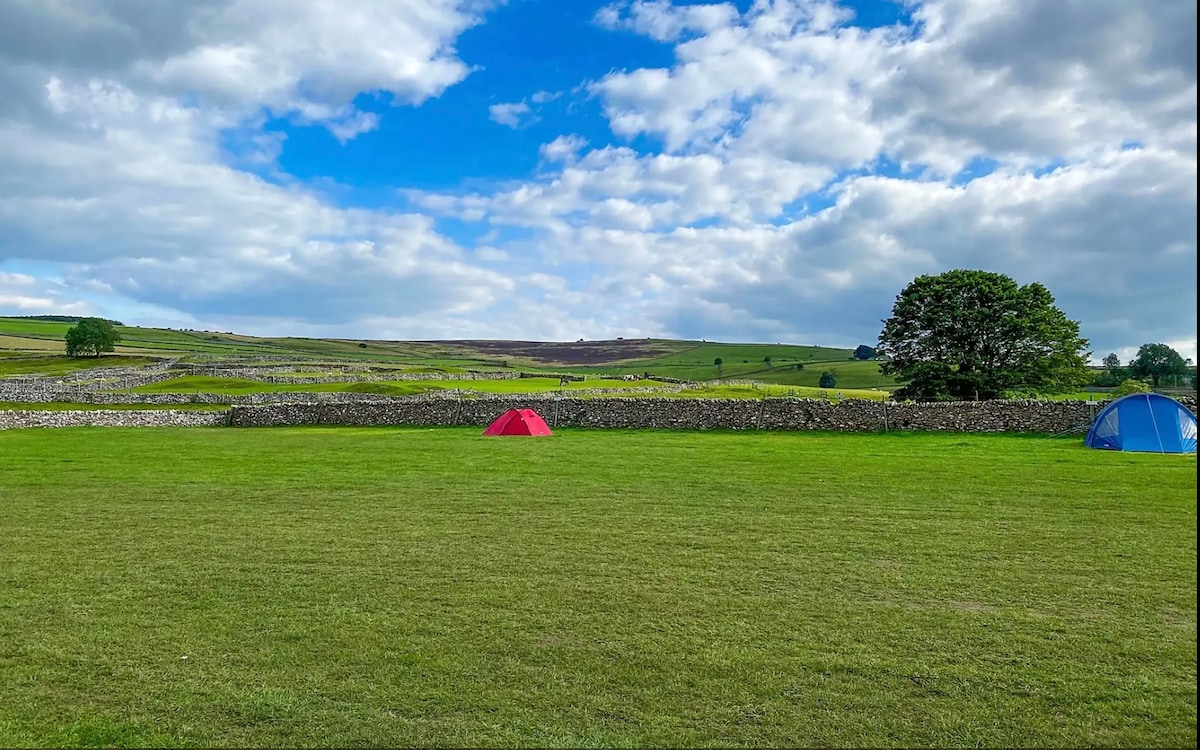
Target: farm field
column 241, row 386
column 387, row 587
column 683, row 360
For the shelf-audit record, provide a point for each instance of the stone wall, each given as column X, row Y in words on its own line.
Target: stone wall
column 856, row 415
column 101, row 418
column 788, row 414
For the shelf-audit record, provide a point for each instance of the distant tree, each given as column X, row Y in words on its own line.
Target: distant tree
column 828, row 379
column 1156, row 361
column 799, row 365
column 767, row 362
column 1129, row 387
column 90, row 337
column 718, row 362
column 1113, row 372
column 864, row 352
column 968, row 334
column 362, row 346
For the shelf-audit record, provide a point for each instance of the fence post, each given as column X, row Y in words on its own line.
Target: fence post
column 762, row 403
column 885, row 419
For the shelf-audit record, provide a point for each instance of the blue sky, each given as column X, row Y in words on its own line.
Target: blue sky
column 770, row 170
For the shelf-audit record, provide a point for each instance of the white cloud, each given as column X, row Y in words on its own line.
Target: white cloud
column 310, row 58
column 807, row 170
column 562, row 148
column 510, row 114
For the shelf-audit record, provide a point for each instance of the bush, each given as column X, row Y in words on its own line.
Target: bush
column 828, row 379
column 1128, row 387
column 1021, row 394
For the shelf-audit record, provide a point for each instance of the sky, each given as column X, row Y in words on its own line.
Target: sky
column 757, row 171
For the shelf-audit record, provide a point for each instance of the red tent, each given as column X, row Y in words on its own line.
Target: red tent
column 518, row 422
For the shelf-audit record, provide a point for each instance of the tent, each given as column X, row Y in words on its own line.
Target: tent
column 518, row 422
column 1147, row 422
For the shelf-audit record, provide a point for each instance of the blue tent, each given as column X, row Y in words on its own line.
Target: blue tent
column 1147, row 422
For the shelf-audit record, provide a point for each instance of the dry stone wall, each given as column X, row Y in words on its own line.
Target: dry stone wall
column 102, row 418
column 852, row 415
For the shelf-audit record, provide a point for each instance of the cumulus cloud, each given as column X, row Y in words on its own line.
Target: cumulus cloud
column 562, row 148
column 510, row 114
column 781, row 179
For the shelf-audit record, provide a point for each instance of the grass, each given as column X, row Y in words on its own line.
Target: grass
column 775, row 391
column 242, row 386
column 394, row 587
column 52, row 365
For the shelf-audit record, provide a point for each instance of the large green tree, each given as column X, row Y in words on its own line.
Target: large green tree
column 1156, row 361
column 91, row 336
column 968, row 334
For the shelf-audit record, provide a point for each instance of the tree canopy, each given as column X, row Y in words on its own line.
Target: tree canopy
column 1156, row 361
column 90, row 337
column 968, row 334
column 864, row 352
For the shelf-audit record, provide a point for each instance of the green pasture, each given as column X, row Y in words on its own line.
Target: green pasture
column 61, row 364
column 777, row 391
column 241, row 386
column 432, row 587
column 738, row 360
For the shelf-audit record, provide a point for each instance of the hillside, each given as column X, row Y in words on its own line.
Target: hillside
column 29, row 345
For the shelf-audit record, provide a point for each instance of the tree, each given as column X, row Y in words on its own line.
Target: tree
column 1128, row 387
column 91, row 336
column 1113, row 373
column 864, row 352
column 828, row 379
column 1155, row 361
column 968, row 334
column 767, row 361
column 718, row 362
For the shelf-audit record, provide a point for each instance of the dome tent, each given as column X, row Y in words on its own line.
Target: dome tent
column 1147, row 422
column 518, row 422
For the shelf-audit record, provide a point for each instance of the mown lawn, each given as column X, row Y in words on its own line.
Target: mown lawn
column 394, row 587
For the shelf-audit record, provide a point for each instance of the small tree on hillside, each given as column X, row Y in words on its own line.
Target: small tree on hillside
column 864, row 352
column 828, row 379
column 718, row 362
column 90, row 337
column 1156, row 361
column 767, row 361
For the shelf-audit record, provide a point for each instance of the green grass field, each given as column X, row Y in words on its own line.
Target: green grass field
column 686, row 360
column 57, row 365
column 395, row 587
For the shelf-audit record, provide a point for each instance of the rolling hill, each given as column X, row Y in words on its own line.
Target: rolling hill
column 31, row 345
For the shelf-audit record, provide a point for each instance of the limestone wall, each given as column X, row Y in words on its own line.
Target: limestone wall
column 112, row 418
column 788, row 414
column 696, row 414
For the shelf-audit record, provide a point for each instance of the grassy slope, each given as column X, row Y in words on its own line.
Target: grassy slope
column 686, row 360
column 64, row 365
column 308, row 588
